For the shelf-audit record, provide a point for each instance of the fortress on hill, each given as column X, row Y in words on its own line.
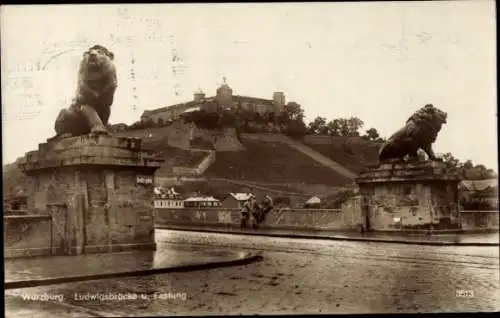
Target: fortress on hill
column 224, row 99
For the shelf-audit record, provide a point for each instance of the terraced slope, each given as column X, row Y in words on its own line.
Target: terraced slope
column 268, row 161
column 354, row 153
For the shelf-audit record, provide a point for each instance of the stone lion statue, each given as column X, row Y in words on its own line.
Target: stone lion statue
column 420, row 132
column 91, row 106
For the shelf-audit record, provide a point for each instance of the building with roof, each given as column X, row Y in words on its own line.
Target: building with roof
column 201, row 202
column 479, row 194
column 167, row 199
column 313, row 203
column 224, row 98
column 235, row 200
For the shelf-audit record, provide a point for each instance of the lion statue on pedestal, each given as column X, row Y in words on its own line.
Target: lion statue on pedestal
column 420, row 132
column 90, row 109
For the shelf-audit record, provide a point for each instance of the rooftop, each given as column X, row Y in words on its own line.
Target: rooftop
column 241, row 196
column 313, row 200
column 201, row 199
column 478, row 185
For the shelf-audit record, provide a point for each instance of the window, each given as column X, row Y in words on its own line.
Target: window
column 407, row 189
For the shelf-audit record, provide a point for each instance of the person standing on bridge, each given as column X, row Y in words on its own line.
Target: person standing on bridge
column 248, row 208
column 264, row 208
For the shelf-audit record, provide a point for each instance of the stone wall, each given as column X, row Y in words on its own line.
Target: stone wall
column 396, row 206
column 479, row 220
column 181, row 133
column 412, row 195
column 94, row 209
column 347, row 218
column 224, row 140
column 26, row 235
column 198, row 170
column 98, row 191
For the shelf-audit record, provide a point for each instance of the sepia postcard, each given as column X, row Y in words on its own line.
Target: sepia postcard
column 250, row 158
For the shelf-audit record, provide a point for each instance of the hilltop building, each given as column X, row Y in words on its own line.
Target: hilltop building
column 223, row 98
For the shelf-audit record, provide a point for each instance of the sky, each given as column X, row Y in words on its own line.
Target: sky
column 378, row 61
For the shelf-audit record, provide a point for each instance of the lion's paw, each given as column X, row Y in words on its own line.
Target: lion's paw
column 100, row 130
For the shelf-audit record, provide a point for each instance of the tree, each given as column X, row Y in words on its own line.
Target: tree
column 468, row 165
column 293, row 111
column 294, row 120
column 452, row 163
column 467, row 169
column 372, row 134
column 334, row 127
column 479, row 172
column 343, row 127
column 317, row 126
column 354, row 124
column 296, row 129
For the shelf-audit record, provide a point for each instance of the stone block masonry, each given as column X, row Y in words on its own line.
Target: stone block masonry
column 98, row 190
column 420, row 195
column 346, row 218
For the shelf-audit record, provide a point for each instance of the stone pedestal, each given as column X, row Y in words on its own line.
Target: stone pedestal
column 403, row 196
column 98, row 189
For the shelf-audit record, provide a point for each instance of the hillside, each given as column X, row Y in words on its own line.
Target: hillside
column 263, row 158
column 173, row 156
column 268, row 161
column 354, row 153
column 13, row 179
column 248, row 161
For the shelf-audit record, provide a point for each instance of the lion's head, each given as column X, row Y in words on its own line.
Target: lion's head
column 428, row 117
column 97, row 57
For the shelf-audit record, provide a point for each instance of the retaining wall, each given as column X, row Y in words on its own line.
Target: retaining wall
column 479, row 220
column 27, row 235
column 347, row 218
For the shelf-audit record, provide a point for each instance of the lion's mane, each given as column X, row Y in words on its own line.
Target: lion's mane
column 419, row 132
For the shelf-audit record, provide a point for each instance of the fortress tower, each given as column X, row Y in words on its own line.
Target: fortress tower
column 279, row 102
column 224, row 95
column 199, row 95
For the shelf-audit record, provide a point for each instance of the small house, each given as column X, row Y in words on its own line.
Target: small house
column 313, row 203
column 236, row 200
column 201, row 202
column 167, row 199
column 479, row 194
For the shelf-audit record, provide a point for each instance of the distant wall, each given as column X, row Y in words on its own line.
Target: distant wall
column 349, row 217
column 199, row 169
column 180, row 133
column 27, row 235
column 479, row 220
column 225, row 140
column 206, row 162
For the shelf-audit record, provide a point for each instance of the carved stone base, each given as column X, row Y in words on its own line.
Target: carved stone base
column 98, row 190
column 416, row 195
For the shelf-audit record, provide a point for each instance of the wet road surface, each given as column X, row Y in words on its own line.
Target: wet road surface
column 295, row 276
